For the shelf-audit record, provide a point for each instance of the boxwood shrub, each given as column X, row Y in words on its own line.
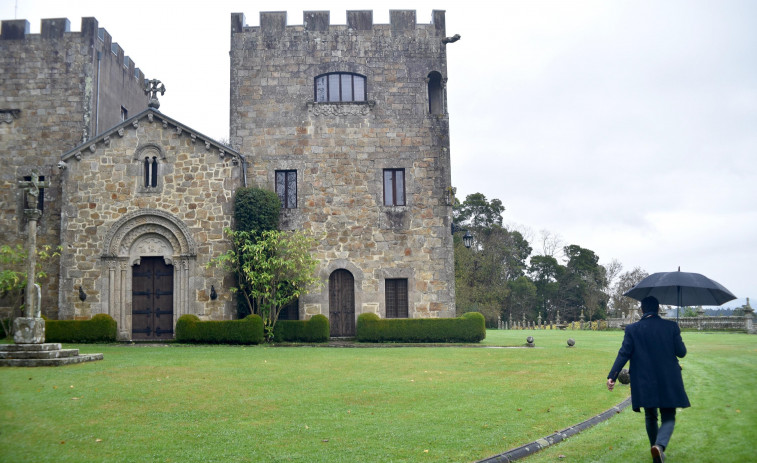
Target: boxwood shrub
column 100, row 328
column 190, row 329
column 314, row 330
column 470, row 327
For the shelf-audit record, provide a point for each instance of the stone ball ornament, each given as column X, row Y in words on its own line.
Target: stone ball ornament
column 530, row 341
column 624, row 376
column 571, row 342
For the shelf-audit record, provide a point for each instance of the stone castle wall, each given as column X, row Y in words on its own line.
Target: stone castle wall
column 111, row 219
column 50, row 86
column 339, row 150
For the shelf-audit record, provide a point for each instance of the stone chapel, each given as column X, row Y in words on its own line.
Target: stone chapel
column 347, row 123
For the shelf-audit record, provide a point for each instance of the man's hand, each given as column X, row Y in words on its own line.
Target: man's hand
column 610, row 384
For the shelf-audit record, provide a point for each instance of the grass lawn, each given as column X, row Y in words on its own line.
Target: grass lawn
column 313, row 404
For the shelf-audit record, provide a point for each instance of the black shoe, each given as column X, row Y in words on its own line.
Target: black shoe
column 658, row 455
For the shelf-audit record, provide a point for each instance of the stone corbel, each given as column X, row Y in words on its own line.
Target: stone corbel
column 77, row 156
column 62, row 165
column 221, row 153
column 93, row 147
column 9, row 115
column 135, row 124
column 207, row 145
column 106, row 140
column 121, row 132
column 178, row 130
column 165, row 124
column 194, row 138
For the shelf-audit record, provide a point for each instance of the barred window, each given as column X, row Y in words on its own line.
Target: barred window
column 396, row 298
column 286, row 188
column 339, row 87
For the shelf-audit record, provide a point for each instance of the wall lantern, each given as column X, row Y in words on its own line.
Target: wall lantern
column 467, row 238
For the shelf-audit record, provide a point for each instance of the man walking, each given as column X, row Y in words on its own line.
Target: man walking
column 653, row 346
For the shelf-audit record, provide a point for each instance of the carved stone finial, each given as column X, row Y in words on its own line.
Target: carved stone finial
column 152, row 87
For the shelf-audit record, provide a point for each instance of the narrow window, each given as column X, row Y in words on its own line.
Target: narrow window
column 286, row 188
column 124, row 114
column 151, row 172
column 154, row 173
column 339, row 87
column 435, row 105
column 396, row 297
column 394, row 187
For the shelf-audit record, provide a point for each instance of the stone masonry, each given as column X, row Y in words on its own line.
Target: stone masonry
column 111, row 220
column 57, row 89
column 339, row 150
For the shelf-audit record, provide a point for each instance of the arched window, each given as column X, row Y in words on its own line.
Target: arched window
column 339, row 87
column 151, row 172
column 435, row 104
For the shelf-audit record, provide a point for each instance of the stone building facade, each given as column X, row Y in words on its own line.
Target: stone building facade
column 145, row 205
column 348, row 123
column 57, row 89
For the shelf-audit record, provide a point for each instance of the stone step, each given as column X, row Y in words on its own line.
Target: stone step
column 30, row 347
column 40, row 354
column 53, row 362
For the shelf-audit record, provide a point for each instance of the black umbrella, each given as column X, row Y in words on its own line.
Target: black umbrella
column 681, row 289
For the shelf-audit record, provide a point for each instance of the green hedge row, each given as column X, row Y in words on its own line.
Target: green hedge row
column 100, row 328
column 249, row 330
column 470, row 327
column 314, row 330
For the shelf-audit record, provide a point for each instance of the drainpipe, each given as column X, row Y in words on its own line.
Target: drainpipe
column 97, row 97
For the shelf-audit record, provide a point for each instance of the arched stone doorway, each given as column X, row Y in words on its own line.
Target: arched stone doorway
column 163, row 240
column 342, row 303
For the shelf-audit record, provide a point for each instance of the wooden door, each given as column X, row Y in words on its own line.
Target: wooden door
column 342, row 303
column 152, row 299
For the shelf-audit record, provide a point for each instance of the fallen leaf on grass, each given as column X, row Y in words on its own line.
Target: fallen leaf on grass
column 62, row 442
column 98, row 440
column 74, row 398
column 324, row 440
column 425, row 451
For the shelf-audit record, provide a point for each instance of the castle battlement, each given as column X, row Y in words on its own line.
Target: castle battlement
column 275, row 22
column 60, row 28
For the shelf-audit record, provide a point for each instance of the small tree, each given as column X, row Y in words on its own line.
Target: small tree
column 273, row 269
column 13, row 278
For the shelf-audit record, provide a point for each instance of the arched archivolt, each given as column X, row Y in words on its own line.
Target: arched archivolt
column 127, row 229
column 147, row 232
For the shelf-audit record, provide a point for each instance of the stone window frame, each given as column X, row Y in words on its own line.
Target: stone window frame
column 155, row 152
column 435, row 84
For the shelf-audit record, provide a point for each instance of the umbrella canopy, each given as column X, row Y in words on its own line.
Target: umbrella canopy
column 681, row 289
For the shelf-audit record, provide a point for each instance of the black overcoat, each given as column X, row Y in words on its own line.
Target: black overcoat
column 653, row 346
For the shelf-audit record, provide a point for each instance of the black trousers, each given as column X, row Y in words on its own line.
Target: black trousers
column 660, row 435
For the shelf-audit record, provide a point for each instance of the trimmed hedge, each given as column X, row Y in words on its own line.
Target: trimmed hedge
column 314, row 330
column 470, row 327
column 256, row 210
column 100, row 328
column 190, row 329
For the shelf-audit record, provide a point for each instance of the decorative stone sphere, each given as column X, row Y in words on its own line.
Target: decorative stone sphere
column 624, row 377
column 571, row 342
column 530, row 339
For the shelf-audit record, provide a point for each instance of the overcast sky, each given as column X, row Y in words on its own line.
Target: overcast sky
column 626, row 127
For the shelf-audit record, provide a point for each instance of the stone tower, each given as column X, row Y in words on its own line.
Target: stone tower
column 57, row 89
column 349, row 124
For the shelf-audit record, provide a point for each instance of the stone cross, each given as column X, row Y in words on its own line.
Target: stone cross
column 32, row 215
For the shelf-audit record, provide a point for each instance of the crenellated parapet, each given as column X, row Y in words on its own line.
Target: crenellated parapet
column 55, row 29
column 359, row 21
